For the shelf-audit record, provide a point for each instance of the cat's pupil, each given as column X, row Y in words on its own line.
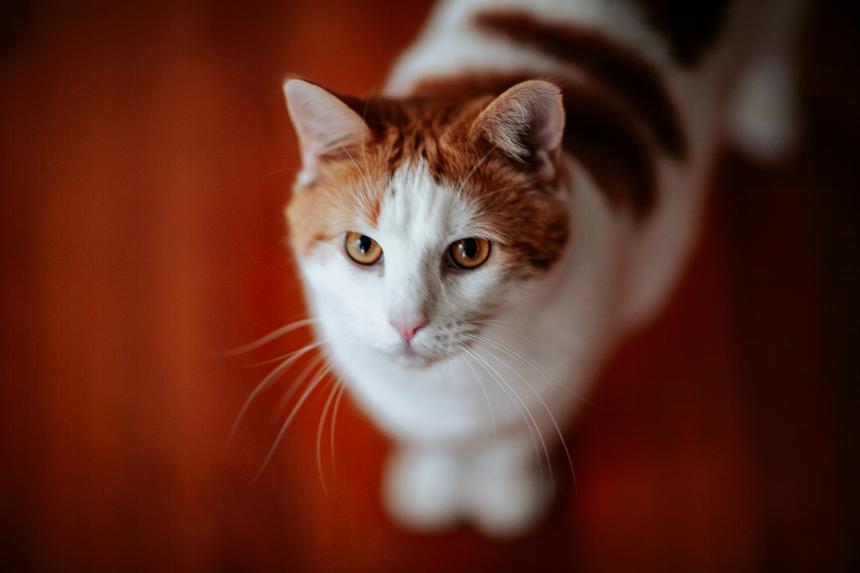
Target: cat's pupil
column 364, row 244
column 469, row 248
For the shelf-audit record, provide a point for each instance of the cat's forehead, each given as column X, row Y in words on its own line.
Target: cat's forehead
column 419, row 208
column 432, row 133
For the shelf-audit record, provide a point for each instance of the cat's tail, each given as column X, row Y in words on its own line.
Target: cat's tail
column 764, row 119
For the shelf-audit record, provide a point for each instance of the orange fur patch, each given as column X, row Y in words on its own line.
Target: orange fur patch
column 529, row 219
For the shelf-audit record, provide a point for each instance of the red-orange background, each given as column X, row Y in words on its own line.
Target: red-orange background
column 146, row 156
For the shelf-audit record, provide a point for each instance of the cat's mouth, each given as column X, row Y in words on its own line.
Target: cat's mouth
column 412, row 357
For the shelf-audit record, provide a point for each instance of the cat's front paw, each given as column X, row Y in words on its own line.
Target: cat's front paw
column 421, row 489
column 509, row 502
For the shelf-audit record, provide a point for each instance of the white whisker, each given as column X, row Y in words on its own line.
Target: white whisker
column 512, row 393
column 326, row 406
column 546, row 409
column 318, row 377
column 296, row 383
column 281, row 170
column 342, row 386
column 463, row 357
column 519, row 357
column 267, row 338
column 276, row 358
column 506, row 328
column 270, row 378
column 512, row 322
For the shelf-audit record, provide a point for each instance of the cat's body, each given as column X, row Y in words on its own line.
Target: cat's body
column 589, row 198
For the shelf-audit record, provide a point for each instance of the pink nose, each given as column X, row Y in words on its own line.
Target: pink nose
column 408, row 327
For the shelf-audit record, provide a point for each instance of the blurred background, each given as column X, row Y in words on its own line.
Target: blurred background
column 145, row 157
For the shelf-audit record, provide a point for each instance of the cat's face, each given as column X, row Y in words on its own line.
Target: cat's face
column 412, row 228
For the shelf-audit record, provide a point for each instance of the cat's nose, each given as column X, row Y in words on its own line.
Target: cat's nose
column 407, row 327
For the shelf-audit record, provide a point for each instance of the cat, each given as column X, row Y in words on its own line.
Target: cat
column 524, row 192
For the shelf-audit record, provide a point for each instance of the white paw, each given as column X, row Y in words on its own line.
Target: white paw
column 506, row 493
column 421, row 489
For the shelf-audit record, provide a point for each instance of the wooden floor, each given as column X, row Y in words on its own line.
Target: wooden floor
column 145, row 157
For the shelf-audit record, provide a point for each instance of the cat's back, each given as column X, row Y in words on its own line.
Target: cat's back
column 556, row 37
column 661, row 57
column 656, row 77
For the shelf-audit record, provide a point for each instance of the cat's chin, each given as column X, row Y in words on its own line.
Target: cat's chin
column 408, row 357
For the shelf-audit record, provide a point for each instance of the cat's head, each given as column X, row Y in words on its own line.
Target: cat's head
column 416, row 221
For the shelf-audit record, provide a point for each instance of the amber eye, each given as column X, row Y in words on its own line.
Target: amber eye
column 468, row 253
column 362, row 249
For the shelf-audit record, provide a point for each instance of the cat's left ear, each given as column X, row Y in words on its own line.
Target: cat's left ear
column 526, row 122
column 325, row 125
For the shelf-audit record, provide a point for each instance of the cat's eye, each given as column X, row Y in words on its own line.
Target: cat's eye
column 468, row 253
column 362, row 249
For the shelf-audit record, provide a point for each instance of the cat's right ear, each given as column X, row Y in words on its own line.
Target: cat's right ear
column 526, row 122
column 325, row 125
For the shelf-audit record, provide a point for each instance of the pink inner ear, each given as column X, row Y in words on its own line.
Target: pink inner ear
column 546, row 136
column 324, row 123
column 530, row 111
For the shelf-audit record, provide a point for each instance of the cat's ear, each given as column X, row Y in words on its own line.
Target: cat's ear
column 526, row 123
column 325, row 125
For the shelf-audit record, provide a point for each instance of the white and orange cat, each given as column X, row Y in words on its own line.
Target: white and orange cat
column 525, row 191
